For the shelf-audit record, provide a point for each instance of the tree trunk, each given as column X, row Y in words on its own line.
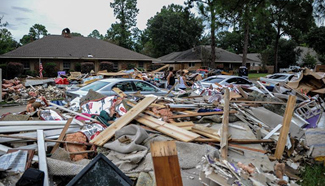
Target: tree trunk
column 245, row 44
column 276, row 48
column 213, row 42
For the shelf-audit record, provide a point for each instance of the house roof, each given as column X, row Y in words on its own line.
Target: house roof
column 200, row 53
column 256, row 57
column 74, row 47
column 304, row 51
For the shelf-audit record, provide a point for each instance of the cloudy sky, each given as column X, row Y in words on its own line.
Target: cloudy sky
column 81, row 16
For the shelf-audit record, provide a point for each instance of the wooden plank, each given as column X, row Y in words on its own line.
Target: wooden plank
column 247, row 148
column 159, row 69
column 119, row 92
column 42, row 156
column 206, row 131
column 165, row 163
column 238, row 141
column 215, row 138
column 171, row 89
column 201, row 114
column 184, row 125
column 166, row 128
column 285, row 127
column 257, row 102
column 64, row 130
column 109, row 132
column 242, row 92
column 224, row 128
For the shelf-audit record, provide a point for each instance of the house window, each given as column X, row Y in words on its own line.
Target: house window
column 191, row 64
column 115, row 66
column 140, row 64
column 66, row 65
column 26, row 65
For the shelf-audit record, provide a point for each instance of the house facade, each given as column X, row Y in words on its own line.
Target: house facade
column 200, row 57
column 68, row 52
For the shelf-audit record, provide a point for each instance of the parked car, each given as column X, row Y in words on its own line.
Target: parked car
column 226, row 80
column 276, row 78
column 128, row 86
column 290, row 69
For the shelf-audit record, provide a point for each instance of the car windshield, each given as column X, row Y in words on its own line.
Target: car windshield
column 278, row 77
column 95, row 86
column 213, row 80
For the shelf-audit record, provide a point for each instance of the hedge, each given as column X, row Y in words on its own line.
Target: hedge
column 105, row 65
column 50, row 69
column 86, row 67
column 14, row 69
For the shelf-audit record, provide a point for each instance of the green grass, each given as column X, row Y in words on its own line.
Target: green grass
column 313, row 175
column 255, row 76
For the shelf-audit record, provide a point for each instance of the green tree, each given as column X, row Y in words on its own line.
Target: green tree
column 120, row 32
column 289, row 17
column 316, row 40
column 208, row 9
column 309, row 61
column 7, row 43
column 172, row 29
column 76, row 34
column 95, row 34
column 37, row 31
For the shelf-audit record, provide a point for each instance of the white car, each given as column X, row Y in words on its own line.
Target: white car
column 226, row 80
column 273, row 79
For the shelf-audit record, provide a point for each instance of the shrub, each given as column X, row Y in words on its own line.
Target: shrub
column 86, row 67
column 4, row 70
column 77, row 67
column 130, row 66
column 109, row 66
column 14, row 69
column 50, row 69
column 31, row 73
column 253, row 71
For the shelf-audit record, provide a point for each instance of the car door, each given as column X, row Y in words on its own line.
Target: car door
column 146, row 88
column 125, row 86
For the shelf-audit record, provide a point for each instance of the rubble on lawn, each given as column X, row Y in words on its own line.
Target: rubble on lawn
column 224, row 135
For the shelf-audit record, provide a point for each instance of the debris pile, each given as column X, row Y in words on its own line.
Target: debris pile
column 220, row 135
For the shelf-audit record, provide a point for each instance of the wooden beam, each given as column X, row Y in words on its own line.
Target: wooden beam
column 64, row 130
column 109, row 132
column 159, row 69
column 206, row 131
column 224, row 128
column 42, row 163
column 47, row 140
column 242, row 92
column 166, row 128
column 247, row 148
column 258, row 102
column 171, row 89
column 201, row 114
column 238, row 141
column 119, row 92
column 285, row 127
column 165, row 163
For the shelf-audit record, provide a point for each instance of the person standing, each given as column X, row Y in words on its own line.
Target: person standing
column 182, row 81
column 170, row 78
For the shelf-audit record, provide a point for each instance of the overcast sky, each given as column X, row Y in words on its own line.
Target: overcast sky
column 81, row 16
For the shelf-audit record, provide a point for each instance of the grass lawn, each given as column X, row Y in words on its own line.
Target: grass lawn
column 313, row 175
column 255, row 76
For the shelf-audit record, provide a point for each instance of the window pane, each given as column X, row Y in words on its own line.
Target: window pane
column 141, row 86
column 95, row 86
column 124, row 86
column 66, row 65
column 213, row 80
column 232, row 80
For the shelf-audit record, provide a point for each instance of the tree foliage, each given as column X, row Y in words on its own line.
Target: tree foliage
column 120, row 32
column 316, row 40
column 172, row 29
column 76, row 34
column 95, row 34
column 37, row 31
column 309, row 61
column 7, row 43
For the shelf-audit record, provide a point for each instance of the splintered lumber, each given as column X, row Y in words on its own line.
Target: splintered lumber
column 238, row 141
column 206, row 131
column 159, row 69
column 165, row 163
column 188, row 125
column 246, row 148
column 224, row 128
column 64, row 130
column 242, row 92
column 200, row 114
column 258, row 102
column 119, row 92
column 47, row 140
column 42, row 156
column 285, row 127
column 166, row 128
column 109, row 132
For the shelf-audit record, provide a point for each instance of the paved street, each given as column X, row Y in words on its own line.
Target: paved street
column 12, row 109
